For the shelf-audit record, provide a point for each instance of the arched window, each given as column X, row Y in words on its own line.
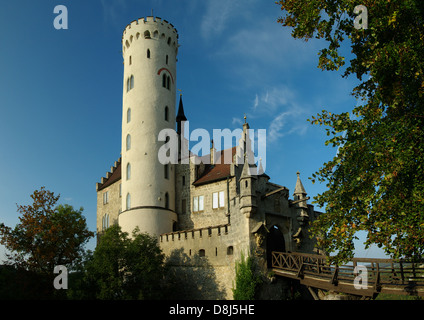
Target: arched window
column 128, row 115
column 128, row 142
column 148, row 53
column 230, row 251
column 105, row 222
column 202, row 253
column 147, row 34
column 166, row 113
column 166, row 200
column 128, row 201
column 164, row 80
column 169, row 41
column 131, row 82
column 128, row 84
column 128, row 171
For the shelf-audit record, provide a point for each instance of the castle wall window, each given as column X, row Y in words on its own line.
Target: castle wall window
column 120, row 190
column 130, row 60
column 128, row 115
column 230, row 251
column 166, row 169
column 198, row 203
column 202, row 253
column 105, row 197
column 164, row 80
column 128, row 171
column 147, row 34
column 183, row 180
column 131, row 82
column 218, row 200
column 183, row 206
column 166, row 59
column 166, row 113
column 128, row 142
column 148, row 53
column 128, row 201
column 105, row 222
column 166, row 200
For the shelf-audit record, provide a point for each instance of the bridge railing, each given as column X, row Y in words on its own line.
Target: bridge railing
column 379, row 273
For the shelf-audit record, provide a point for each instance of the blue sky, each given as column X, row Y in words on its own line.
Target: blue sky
column 61, row 91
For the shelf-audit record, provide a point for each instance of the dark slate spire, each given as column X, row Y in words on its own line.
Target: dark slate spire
column 180, row 115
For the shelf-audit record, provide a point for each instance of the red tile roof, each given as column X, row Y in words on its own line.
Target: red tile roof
column 218, row 171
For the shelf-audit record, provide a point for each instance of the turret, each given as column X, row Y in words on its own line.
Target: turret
column 248, row 177
column 150, row 49
column 300, row 201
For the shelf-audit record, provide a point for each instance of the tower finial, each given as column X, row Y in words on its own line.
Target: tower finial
column 245, row 118
column 181, row 92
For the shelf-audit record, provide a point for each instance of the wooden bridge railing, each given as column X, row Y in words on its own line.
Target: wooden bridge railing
column 371, row 276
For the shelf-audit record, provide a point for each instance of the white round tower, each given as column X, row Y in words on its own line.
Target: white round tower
column 150, row 47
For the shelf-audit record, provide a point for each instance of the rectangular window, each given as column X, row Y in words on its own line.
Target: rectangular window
column 195, row 204
column 106, row 197
column 218, row 200
column 166, row 171
column 183, row 206
column 198, row 203
column 221, row 199
column 201, row 208
column 183, row 180
column 215, row 200
column 120, row 190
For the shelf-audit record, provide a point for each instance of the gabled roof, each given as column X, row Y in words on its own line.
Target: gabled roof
column 218, row 171
column 115, row 176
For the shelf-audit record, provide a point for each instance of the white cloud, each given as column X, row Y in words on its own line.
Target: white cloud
column 216, row 17
column 288, row 116
column 237, row 121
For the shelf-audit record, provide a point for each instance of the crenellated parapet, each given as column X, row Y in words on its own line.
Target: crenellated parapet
column 152, row 28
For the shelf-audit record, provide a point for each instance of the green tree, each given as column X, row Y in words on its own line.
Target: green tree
column 46, row 236
column 124, row 268
column 247, row 279
column 375, row 183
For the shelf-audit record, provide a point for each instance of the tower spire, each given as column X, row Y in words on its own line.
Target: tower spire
column 180, row 114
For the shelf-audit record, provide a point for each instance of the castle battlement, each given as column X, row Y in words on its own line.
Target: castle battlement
column 195, row 233
column 149, row 28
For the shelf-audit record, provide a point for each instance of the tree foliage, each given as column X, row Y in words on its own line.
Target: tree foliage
column 123, row 267
column 46, row 236
column 247, row 279
column 375, row 182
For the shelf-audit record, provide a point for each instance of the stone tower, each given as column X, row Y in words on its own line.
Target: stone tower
column 150, row 47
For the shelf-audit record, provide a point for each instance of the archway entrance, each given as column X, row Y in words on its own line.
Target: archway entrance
column 274, row 242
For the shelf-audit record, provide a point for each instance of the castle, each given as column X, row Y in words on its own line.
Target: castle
column 205, row 212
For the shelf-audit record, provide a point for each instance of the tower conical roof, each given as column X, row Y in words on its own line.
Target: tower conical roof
column 180, row 114
column 299, row 189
